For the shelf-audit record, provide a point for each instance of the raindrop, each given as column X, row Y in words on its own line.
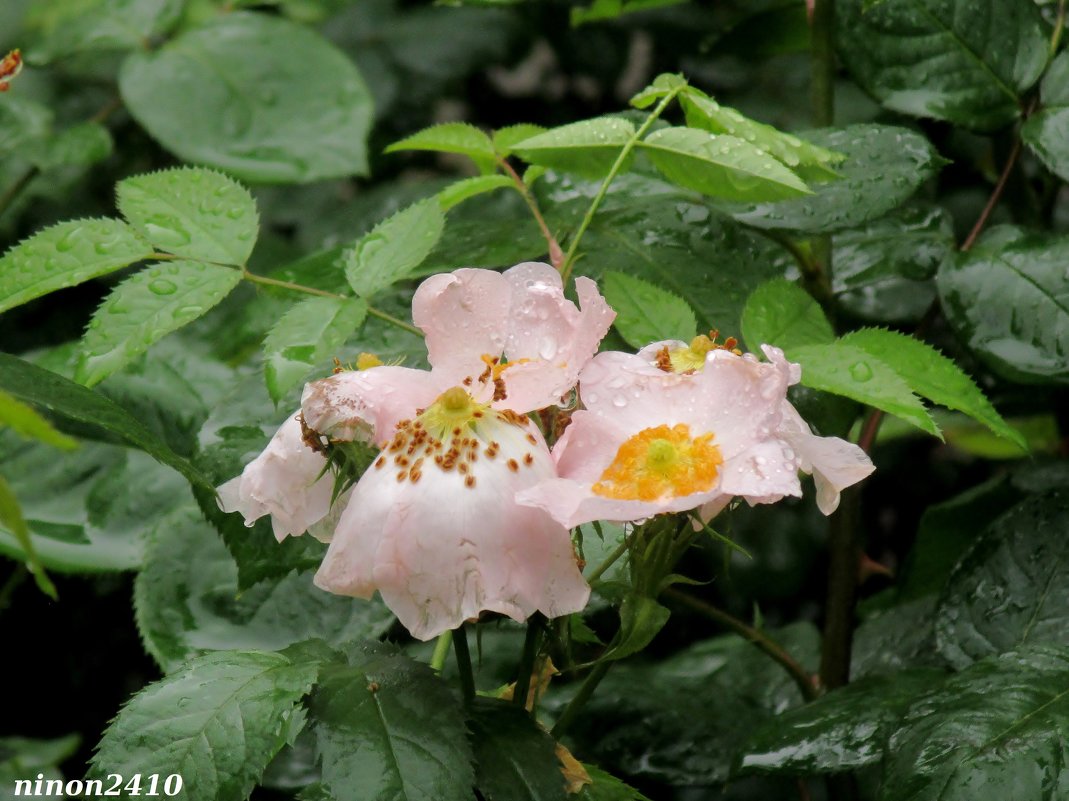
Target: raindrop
column 161, row 286
column 860, row 371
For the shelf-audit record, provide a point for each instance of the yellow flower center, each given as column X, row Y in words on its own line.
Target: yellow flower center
column 365, row 361
column 661, row 462
column 454, row 409
column 691, row 359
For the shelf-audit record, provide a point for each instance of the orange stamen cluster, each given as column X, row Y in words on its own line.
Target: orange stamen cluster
column 661, row 462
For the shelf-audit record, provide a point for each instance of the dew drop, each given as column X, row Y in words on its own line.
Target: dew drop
column 161, row 286
column 860, row 371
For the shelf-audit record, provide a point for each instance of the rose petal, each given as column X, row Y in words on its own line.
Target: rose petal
column 464, row 315
column 440, row 552
column 366, row 405
column 284, row 481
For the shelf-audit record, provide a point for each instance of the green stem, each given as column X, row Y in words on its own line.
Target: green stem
column 573, row 246
column 765, row 643
column 527, row 659
column 590, row 683
column 1059, row 26
column 395, row 321
column 844, row 554
column 460, row 648
column 556, row 256
column 610, row 560
column 822, row 61
column 441, row 650
column 311, row 290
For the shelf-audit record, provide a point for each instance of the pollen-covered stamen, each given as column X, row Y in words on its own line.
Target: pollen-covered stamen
column 10, row 66
column 450, row 435
column 691, row 359
column 661, row 462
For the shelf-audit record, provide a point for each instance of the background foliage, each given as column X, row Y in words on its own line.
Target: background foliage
column 169, row 169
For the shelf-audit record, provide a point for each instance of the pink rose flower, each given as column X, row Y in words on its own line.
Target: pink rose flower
column 433, row 525
column 677, row 427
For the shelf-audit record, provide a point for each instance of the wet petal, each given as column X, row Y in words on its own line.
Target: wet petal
column 550, row 340
column 284, row 481
column 366, row 405
column 464, row 315
column 835, row 463
column 453, row 544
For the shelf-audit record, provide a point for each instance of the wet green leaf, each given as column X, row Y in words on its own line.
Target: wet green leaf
column 187, row 600
column 39, row 387
column 685, row 248
column 276, row 102
column 783, row 314
column 606, row 787
column 641, row 619
column 27, row 423
column 809, row 162
column 66, row 27
column 449, row 137
column 884, row 166
column 720, row 165
column 194, row 213
column 216, row 722
column 1046, row 131
column 514, row 756
column 998, row 728
column 89, row 510
column 588, row 148
column 844, row 369
column 67, row 255
column 457, row 193
column 845, row 729
column 1008, row 299
column 896, row 638
column 933, row 376
column 388, row 728
column 656, row 733
column 306, row 335
column 963, row 61
column 646, row 313
column 145, row 308
column 394, row 248
column 1010, row 589
column 883, row 269
column 947, row 530
column 505, row 139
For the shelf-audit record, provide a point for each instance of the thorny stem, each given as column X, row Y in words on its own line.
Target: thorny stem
column 460, row 648
column 309, row 290
column 556, row 256
column 761, row 640
column 573, row 245
column 441, row 650
column 527, row 659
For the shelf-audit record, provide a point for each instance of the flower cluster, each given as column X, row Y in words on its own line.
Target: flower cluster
column 465, row 509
